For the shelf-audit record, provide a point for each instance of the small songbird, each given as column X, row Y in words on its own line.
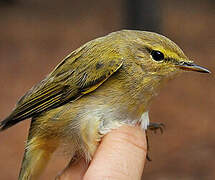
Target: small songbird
column 104, row 84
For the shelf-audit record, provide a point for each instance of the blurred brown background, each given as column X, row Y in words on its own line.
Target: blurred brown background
column 35, row 35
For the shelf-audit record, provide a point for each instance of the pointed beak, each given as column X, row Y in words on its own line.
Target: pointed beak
column 192, row 67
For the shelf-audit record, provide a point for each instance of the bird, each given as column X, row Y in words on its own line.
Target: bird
column 106, row 83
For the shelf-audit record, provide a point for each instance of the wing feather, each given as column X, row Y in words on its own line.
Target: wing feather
column 78, row 74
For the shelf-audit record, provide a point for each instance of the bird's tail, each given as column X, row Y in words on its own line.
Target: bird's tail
column 37, row 154
column 33, row 164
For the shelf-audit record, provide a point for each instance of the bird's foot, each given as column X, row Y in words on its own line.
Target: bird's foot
column 156, row 126
column 153, row 127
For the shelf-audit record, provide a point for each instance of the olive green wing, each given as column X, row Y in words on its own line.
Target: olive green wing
column 76, row 75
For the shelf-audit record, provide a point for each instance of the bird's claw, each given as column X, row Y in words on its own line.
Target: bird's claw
column 153, row 127
column 156, row 126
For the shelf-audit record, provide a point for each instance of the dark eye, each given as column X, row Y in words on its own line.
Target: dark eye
column 157, row 55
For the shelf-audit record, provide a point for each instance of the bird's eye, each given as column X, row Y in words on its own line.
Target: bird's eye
column 157, row 55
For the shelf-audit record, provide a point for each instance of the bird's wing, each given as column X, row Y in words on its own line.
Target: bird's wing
column 78, row 74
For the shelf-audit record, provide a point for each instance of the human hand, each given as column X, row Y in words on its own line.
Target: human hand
column 121, row 155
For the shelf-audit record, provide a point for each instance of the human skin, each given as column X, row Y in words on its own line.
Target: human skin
column 121, row 155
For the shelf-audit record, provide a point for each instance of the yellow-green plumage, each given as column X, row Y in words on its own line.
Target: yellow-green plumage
column 107, row 82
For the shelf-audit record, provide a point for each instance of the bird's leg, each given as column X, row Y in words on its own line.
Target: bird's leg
column 153, row 127
column 73, row 160
column 156, row 126
column 90, row 136
column 147, row 153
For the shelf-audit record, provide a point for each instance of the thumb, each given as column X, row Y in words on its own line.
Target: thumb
column 121, row 155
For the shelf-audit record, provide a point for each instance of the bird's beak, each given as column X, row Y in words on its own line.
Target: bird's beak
column 192, row 67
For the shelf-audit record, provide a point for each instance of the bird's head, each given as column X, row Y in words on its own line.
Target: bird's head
column 160, row 56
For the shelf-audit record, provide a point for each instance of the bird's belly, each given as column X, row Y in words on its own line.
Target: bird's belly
column 108, row 117
column 144, row 120
column 83, row 122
